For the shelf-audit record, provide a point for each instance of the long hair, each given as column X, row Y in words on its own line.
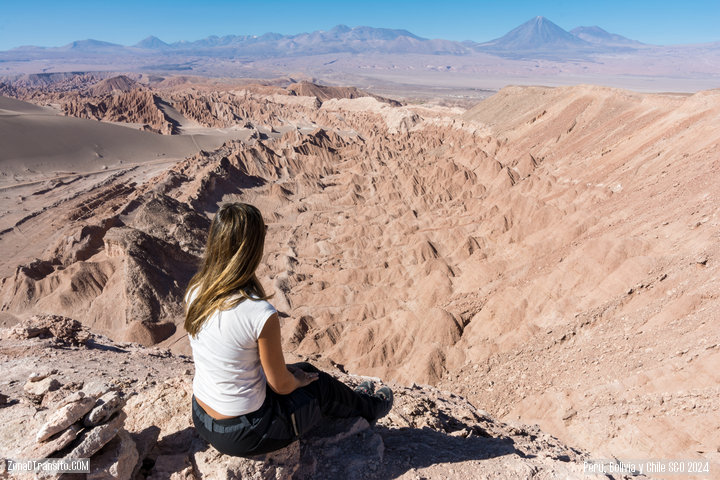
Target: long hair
column 227, row 276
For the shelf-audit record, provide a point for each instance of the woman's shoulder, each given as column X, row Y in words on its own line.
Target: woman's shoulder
column 255, row 305
column 252, row 315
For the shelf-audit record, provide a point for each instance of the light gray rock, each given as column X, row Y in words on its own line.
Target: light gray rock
column 53, row 444
column 59, row 398
column 104, row 408
column 37, row 376
column 51, row 400
column 64, row 417
column 96, row 438
column 116, row 460
column 36, row 390
column 96, row 388
column 72, row 398
column 279, row 465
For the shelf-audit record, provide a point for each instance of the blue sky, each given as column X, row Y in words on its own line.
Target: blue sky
column 58, row 22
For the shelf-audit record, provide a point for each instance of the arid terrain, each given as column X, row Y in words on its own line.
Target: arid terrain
column 549, row 255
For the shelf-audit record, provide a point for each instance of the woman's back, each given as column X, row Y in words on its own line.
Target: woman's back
column 228, row 374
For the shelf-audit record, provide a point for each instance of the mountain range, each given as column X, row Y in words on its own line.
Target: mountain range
column 536, row 36
column 538, row 51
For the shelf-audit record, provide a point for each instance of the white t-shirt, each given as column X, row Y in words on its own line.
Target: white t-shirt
column 228, row 375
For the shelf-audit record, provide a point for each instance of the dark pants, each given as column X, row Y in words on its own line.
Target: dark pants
column 284, row 418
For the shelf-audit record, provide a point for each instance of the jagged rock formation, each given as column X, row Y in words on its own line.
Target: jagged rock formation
column 303, row 105
column 136, row 106
column 123, row 99
column 540, row 253
column 118, row 274
column 430, row 433
column 37, row 86
column 322, row 92
column 95, row 96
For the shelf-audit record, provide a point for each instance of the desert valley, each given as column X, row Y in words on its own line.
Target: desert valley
column 534, row 269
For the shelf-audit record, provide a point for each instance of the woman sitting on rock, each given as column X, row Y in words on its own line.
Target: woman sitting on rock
column 246, row 400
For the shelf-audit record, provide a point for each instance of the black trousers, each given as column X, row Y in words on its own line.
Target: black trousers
column 282, row 419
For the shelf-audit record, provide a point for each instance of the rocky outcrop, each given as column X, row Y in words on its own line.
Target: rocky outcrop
column 430, row 433
column 67, row 433
column 46, row 86
column 62, row 330
column 117, row 84
column 64, row 417
column 326, row 92
column 118, row 261
column 282, row 112
column 36, row 388
column 97, row 96
column 136, row 106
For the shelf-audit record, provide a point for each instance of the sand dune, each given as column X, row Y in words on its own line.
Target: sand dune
column 38, row 140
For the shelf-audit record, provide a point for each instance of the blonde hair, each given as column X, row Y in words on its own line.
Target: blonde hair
column 227, row 277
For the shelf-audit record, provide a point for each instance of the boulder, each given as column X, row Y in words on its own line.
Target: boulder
column 37, row 376
column 53, row 400
column 95, row 439
column 64, row 417
column 279, row 465
column 96, row 388
column 36, row 390
column 105, row 407
column 72, row 398
column 116, row 460
column 52, row 444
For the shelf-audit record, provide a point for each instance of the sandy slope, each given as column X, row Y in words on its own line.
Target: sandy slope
column 550, row 253
column 37, row 140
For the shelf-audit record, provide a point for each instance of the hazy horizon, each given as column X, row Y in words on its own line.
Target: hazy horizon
column 688, row 23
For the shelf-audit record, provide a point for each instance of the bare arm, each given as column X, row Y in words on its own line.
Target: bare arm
column 280, row 379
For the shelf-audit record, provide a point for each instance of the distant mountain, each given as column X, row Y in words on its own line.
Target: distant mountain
column 152, row 43
column 338, row 39
column 91, row 45
column 536, row 34
column 341, row 32
column 597, row 35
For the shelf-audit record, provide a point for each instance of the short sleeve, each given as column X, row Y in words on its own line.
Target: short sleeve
column 265, row 310
column 190, row 295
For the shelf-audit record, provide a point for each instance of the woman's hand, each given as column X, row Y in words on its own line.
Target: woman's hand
column 304, row 378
